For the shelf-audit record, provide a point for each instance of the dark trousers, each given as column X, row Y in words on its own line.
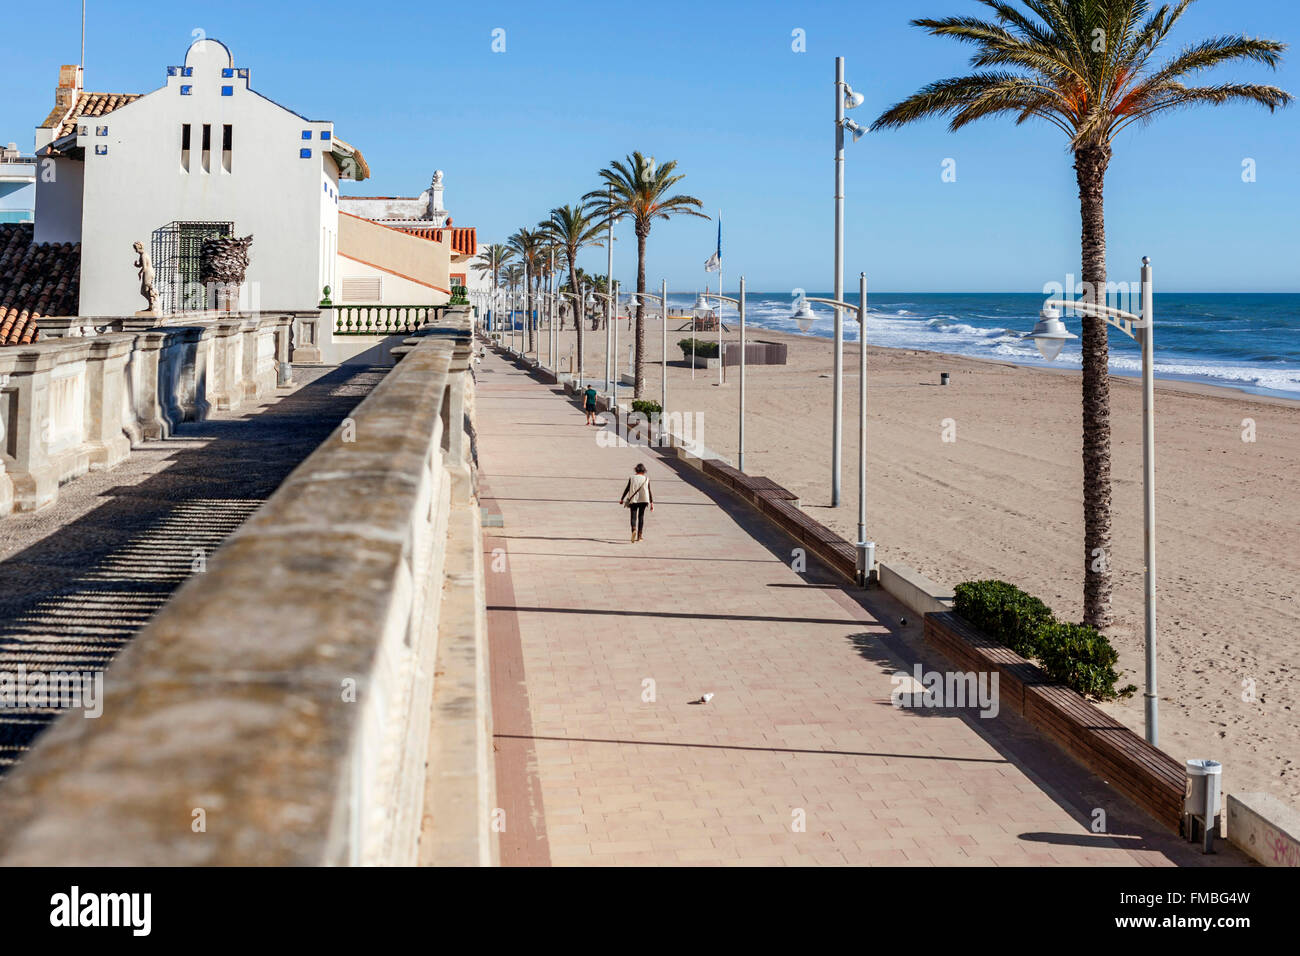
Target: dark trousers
column 638, row 517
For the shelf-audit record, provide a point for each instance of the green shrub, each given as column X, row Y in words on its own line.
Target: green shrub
column 1080, row 658
column 702, row 348
column 459, row 295
column 646, row 407
column 1004, row 612
column 1072, row 654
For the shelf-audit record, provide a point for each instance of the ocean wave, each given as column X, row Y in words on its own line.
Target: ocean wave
column 1260, row 355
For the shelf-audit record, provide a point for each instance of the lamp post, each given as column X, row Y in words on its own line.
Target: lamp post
column 1049, row 336
column 845, row 99
column 583, row 301
column 662, row 299
column 611, row 303
column 803, row 315
column 700, row 310
column 722, row 360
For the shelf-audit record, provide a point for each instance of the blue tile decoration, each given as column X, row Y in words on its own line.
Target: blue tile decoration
column 187, row 91
column 227, row 73
column 187, row 71
column 101, row 130
column 227, row 91
column 304, row 154
column 242, row 74
column 101, row 150
column 173, row 70
column 324, row 134
column 306, row 134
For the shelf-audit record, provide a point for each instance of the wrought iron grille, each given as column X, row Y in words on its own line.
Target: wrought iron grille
column 176, row 263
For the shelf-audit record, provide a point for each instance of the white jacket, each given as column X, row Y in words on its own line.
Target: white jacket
column 637, row 491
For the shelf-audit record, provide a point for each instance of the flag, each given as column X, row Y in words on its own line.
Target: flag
column 715, row 261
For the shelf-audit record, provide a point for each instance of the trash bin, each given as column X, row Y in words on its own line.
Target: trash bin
column 1201, row 803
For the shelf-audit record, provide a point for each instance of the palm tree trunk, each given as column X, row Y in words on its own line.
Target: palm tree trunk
column 639, row 370
column 579, row 308
column 1090, row 166
column 528, row 310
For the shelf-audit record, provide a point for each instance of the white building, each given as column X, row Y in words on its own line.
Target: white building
column 204, row 155
column 424, row 217
column 17, row 185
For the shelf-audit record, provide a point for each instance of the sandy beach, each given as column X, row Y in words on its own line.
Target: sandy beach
column 1003, row 500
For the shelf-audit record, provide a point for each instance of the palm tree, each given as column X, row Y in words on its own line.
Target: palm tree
column 527, row 246
column 512, row 275
column 639, row 189
column 572, row 228
column 1085, row 67
column 493, row 260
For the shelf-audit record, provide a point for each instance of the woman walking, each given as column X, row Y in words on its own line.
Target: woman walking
column 638, row 496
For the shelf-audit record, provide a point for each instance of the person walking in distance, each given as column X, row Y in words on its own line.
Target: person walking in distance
column 637, row 496
column 589, row 404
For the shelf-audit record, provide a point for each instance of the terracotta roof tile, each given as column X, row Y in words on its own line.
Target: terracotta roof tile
column 35, row 281
column 464, row 239
column 63, row 119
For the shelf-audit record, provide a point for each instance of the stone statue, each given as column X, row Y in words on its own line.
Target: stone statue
column 144, row 263
column 437, row 178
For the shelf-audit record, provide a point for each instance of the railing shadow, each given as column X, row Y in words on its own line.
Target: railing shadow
column 72, row 600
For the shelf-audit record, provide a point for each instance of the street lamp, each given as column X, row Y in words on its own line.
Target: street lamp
column 611, row 303
column 1049, row 335
column 700, row 310
column 845, row 99
column 662, row 299
column 803, row 314
column 722, row 359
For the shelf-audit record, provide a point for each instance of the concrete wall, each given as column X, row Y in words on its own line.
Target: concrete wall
column 140, row 184
column 1265, row 828
column 59, row 187
column 321, row 690
column 395, row 289
column 416, row 260
column 72, row 405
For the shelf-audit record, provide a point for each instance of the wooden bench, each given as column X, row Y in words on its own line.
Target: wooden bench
column 1149, row 777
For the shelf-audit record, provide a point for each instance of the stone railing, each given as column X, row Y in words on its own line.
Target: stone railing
column 382, row 319
column 319, row 695
column 70, row 405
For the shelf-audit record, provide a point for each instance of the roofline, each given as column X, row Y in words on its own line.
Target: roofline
column 391, row 272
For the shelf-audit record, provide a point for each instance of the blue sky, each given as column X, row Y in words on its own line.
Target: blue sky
column 717, row 87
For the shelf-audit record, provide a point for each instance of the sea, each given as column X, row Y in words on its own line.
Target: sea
column 1248, row 341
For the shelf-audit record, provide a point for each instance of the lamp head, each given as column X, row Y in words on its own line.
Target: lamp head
column 851, row 99
column 803, row 316
column 701, row 306
column 854, row 128
column 1050, row 334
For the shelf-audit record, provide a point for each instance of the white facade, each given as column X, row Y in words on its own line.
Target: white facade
column 277, row 181
column 17, row 185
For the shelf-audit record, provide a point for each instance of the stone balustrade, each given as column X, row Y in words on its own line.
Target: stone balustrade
column 318, row 695
column 72, row 404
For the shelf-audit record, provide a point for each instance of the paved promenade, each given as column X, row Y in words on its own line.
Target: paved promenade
column 601, row 650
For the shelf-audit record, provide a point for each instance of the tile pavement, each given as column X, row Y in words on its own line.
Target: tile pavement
column 801, row 729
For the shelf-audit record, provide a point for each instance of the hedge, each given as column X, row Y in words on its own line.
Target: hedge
column 702, row 348
column 1075, row 655
column 646, row 406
